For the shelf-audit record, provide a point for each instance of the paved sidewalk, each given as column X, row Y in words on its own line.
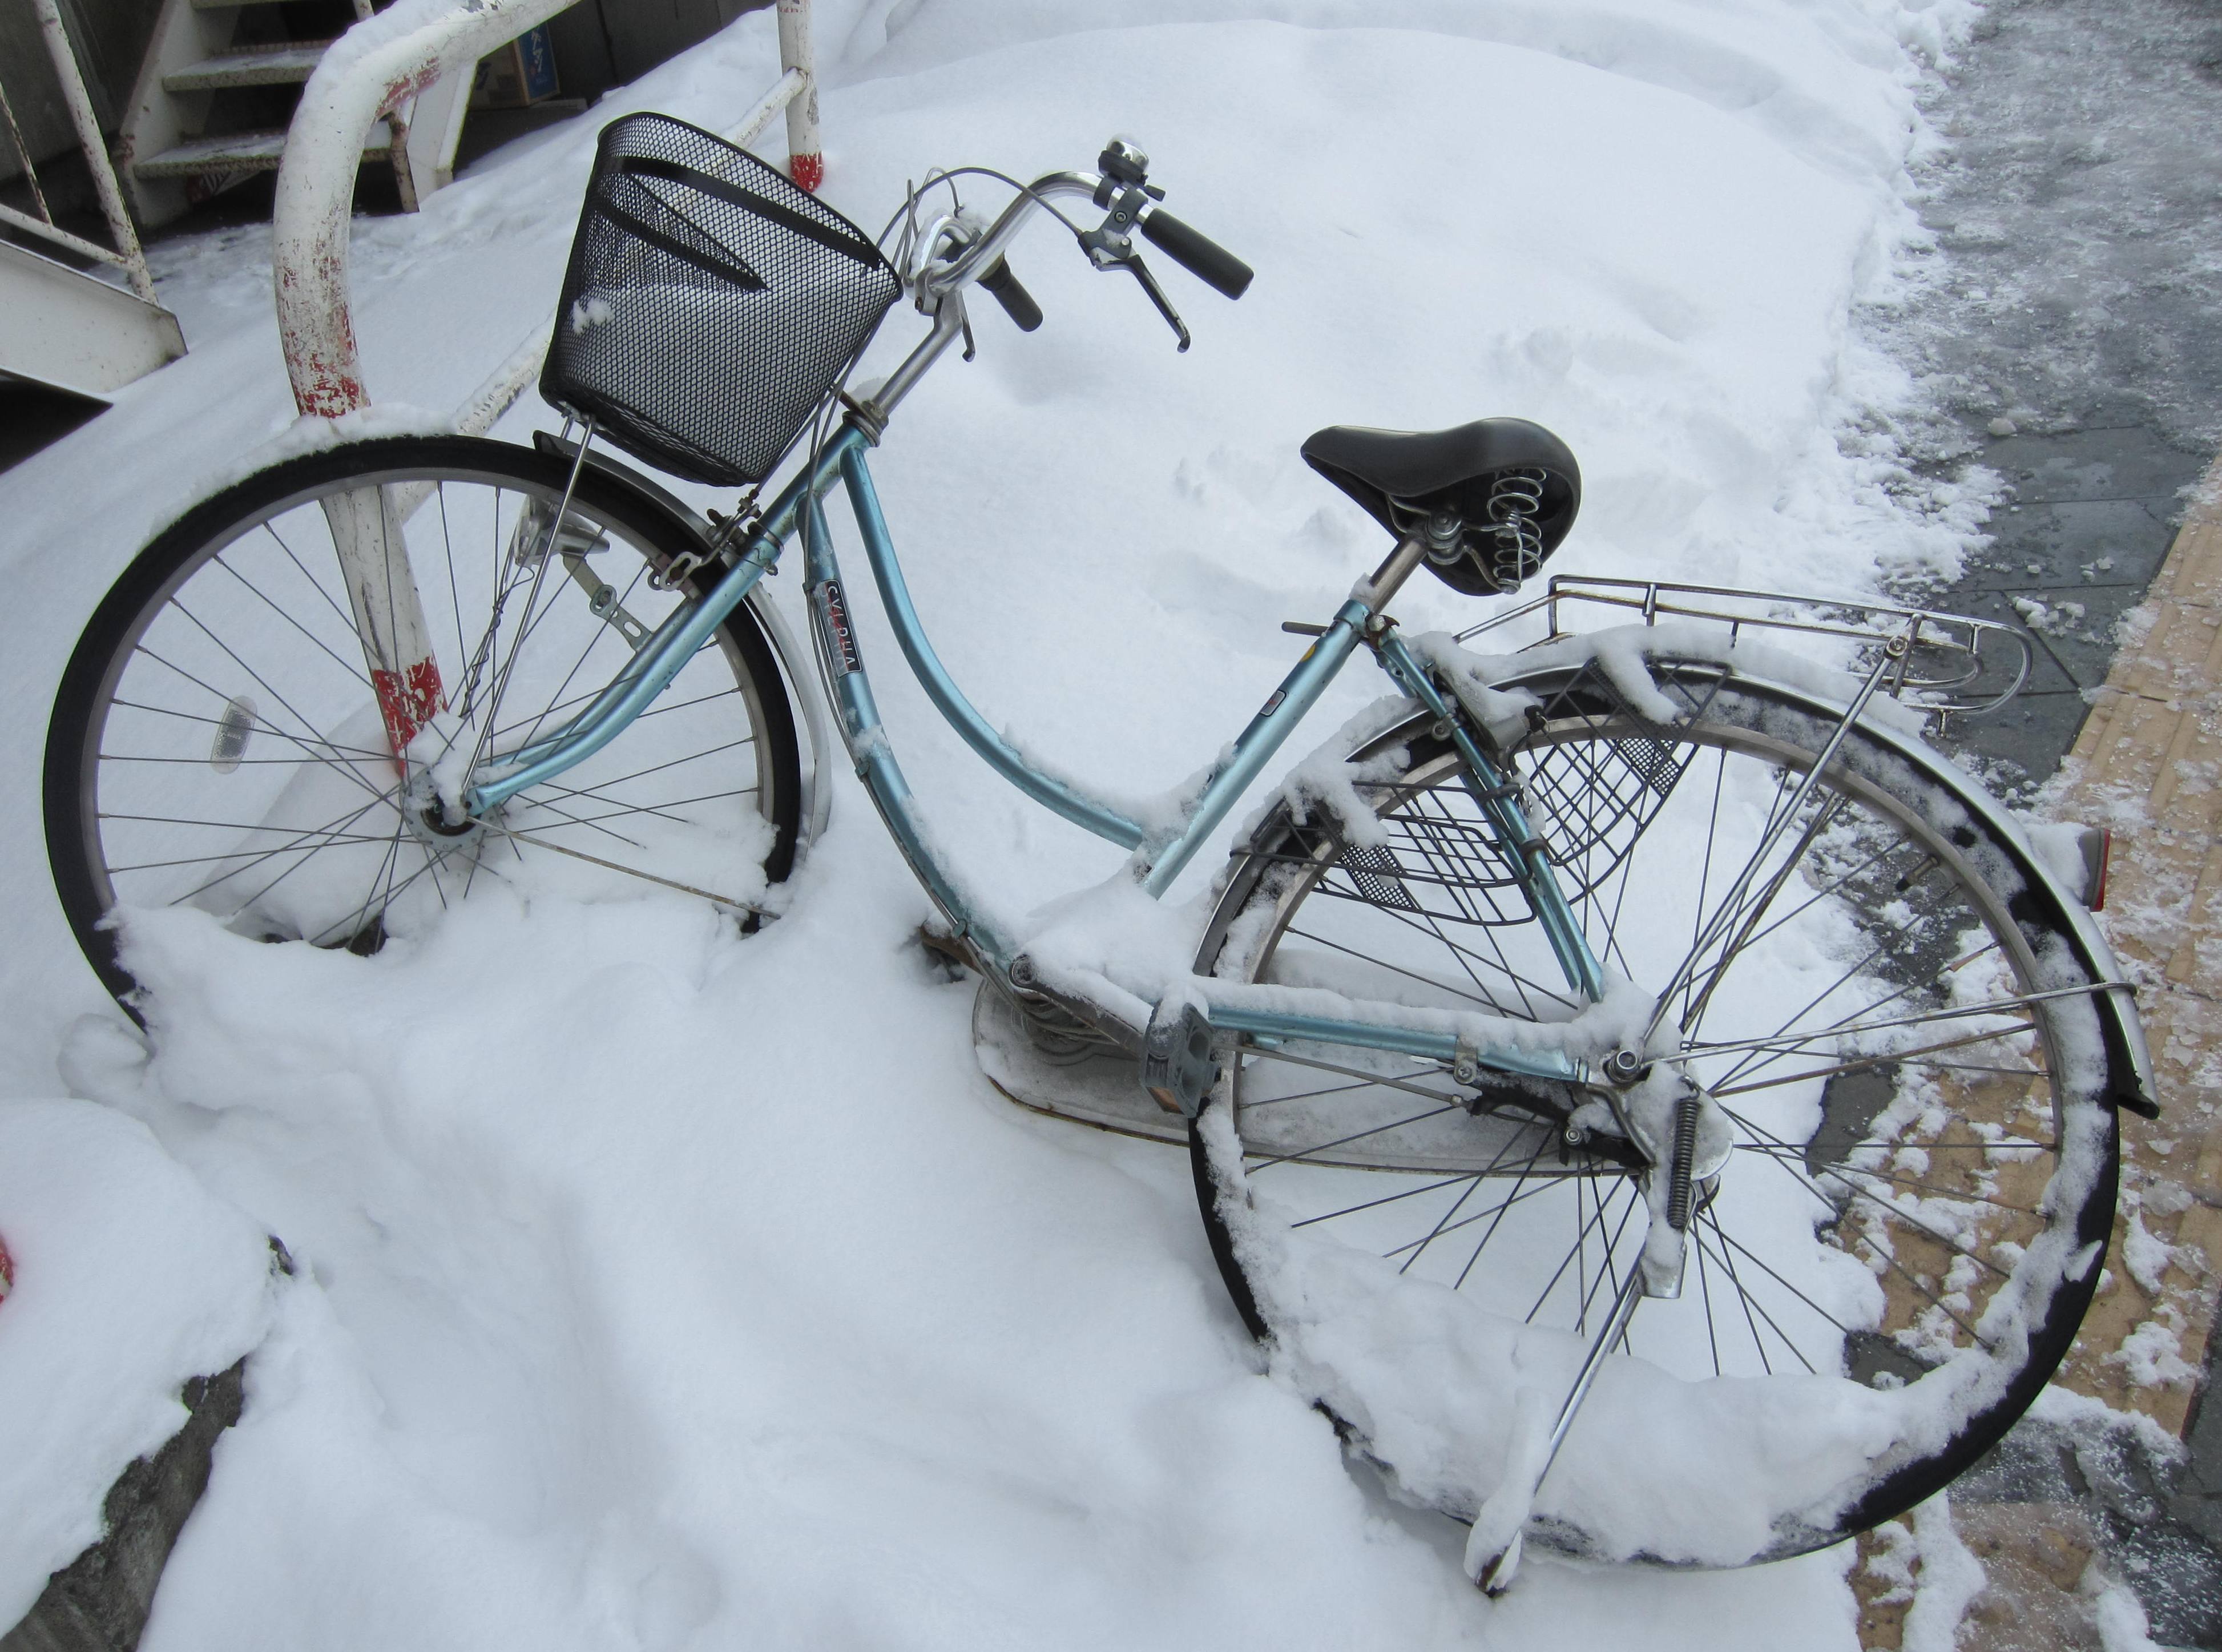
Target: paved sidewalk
column 2147, row 763
column 2069, row 338
column 2055, row 1513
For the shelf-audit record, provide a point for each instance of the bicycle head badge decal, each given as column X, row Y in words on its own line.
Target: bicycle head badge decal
column 839, row 637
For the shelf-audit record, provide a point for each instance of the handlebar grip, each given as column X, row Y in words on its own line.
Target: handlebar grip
column 1198, row 255
column 1018, row 303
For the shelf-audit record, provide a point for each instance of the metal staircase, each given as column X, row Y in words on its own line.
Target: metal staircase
column 217, row 92
column 60, row 325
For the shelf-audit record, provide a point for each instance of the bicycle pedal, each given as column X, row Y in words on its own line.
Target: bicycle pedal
column 1177, row 1069
column 949, row 950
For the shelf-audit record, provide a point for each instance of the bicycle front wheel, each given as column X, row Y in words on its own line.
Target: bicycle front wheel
column 215, row 743
column 1883, row 1270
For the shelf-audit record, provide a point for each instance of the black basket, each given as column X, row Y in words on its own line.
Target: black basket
column 709, row 306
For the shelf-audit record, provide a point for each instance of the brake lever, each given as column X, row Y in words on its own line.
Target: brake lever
column 1132, row 264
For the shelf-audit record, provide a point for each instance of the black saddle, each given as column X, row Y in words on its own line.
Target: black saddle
column 1513, row 485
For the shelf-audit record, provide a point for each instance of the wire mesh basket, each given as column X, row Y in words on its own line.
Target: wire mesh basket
column 709, row 304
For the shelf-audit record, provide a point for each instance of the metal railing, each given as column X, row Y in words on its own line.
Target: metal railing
column 324, row 146
column 126, row 254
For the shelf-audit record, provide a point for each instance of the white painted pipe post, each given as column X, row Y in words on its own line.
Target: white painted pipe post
column 309, row 236
column 806, row 160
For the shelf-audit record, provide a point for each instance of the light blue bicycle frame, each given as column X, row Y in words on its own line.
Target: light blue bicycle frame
column 799, row 512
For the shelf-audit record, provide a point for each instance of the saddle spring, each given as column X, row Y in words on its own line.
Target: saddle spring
column 1515, row 500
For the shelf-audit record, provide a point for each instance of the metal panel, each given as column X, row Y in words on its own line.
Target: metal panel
column 67, row 329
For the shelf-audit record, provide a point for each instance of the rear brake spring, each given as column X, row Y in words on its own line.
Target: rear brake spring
column 1686, row 1152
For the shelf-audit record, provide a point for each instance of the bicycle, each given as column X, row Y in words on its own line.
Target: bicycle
column 1456, row 1105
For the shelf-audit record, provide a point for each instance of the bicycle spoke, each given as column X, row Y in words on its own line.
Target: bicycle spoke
column 309, row 746
column 314, row 748
column 1268, row 1161
column 1496, row 1218
column 1386, row 1199
column 447, row 560
column 1394, row 969
column 1760, row 1262
column 1521, row 983
column 352, row 671
column 346, row 620
column 1597, row 1221
column 321, row 834
column 1705, row 1293
column 301, row 860
column 1752, row 1307
column 1262, row 1053
column 1780, row 1044
column 1895, row 1180
column 1945, row 1239
column 1309, row 1095
column 1895, row 1057
column 662, row 807
column 260, row 682
column 634, row 872
column 1752, row 909
column 1436, row 1232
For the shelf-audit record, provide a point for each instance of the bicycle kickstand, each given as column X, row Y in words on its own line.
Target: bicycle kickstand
column 1493, row 1547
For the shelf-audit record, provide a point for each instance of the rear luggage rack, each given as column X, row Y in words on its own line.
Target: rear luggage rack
column 1954, row 665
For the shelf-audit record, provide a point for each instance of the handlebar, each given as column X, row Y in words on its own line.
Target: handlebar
column 1018, row 303
column 1122, row 187
column 1197, row 252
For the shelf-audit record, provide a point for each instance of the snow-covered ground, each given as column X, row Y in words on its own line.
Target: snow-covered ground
column 659, row 1287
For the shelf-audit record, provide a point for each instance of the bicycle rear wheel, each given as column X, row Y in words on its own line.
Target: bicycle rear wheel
column 1895, row 1253
column 215, row 743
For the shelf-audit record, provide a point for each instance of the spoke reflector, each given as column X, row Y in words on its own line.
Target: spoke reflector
column 233, row 727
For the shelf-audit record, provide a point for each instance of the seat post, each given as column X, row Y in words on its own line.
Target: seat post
column 1388, row 579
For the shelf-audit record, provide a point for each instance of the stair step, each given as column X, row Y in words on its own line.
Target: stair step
column 242, row 152
column 286, row 64
column 61, row 326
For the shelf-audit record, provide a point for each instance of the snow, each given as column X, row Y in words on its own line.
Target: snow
column 661, row 1287
column 1950, row 1578
column 2146, row 1256
column 2151, row 1356
column 2117, row 1614
column 130, row 1278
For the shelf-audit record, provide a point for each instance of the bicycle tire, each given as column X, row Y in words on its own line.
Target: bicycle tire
column 1921, row 1176
column 224, row 651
